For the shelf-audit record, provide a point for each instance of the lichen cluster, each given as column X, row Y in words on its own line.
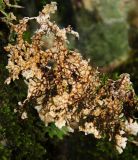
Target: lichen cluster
column 67, row 90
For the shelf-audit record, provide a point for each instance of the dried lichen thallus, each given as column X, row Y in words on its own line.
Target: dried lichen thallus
column 67, row 89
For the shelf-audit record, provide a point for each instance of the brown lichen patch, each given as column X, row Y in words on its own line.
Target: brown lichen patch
column 68, row 91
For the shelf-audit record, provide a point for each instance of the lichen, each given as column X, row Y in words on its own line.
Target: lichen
column 64, row 85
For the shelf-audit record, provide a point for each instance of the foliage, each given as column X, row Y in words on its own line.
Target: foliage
column 4, row 4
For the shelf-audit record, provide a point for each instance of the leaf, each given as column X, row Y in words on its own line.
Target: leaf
column 53, row 131
column 2, row 5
